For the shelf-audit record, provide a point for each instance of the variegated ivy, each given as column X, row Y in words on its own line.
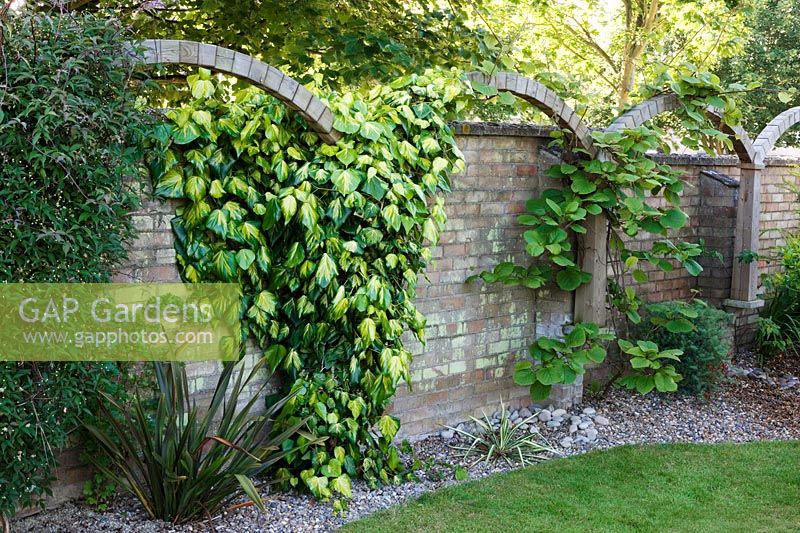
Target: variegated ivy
column 618, row 186
column 327, row 241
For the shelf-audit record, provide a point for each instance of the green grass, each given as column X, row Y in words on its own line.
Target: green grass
column 676, row 487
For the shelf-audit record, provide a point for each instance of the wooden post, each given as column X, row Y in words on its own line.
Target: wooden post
column 744, row 285
column 590, row 299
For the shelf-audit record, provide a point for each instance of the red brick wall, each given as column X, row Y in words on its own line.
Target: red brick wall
column 475, row 332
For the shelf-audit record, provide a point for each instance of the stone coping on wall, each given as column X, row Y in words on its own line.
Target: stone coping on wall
column 511, row 129
column 505, row 129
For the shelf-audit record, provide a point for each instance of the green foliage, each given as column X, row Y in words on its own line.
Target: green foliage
column 332, row 44
column 619, row 186
column 648, row 371
column 561, row 361
column 769, row 59
column 327, row 242
column 700, row 332
column 40, row 408
column 779, row 324
column 598, row 54
column 68, row 139
column 99, row 491
column 184, row 463
column 507, row 440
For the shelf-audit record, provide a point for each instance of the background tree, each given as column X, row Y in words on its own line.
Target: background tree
column 771, row 56
column 606, row 49
column 336, row 43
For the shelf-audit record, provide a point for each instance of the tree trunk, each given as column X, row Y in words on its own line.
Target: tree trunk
column 626, row 80
column 637, row 26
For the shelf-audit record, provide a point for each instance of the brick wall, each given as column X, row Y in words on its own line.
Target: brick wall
column 474, row 331
column 779, row 204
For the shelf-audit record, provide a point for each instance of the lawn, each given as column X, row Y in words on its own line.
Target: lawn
column 676, row 487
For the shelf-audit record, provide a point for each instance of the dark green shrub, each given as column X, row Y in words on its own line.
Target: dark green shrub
column 41, row 405
column 700, row 331
column 68, row 138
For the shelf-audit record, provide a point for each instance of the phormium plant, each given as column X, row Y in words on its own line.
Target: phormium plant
column 327, row 241
column 186, row 462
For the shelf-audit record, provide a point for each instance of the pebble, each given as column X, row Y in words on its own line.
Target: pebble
column 553, row 424
column 738, row 413
column 559, row 412
column 525, row 412
column 584, row 425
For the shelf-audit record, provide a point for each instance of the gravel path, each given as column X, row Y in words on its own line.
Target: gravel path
column 757, row 404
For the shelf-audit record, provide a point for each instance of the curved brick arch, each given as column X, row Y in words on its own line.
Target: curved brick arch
column 544, row 99
column 273, row 81
column 589, row 299
column 650, row 108
column 766, row 140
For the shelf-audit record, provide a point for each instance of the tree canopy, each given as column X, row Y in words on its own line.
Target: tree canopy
column 346, row 42
column 601, row 52
column 770, row 57
column 598, row 54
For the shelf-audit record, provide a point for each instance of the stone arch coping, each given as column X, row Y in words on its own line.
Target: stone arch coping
column 766, row 140
column 273, row 81
column 542, row 98
column 650, row 108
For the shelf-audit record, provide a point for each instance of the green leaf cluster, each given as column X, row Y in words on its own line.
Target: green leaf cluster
column 561, row 361
column 327, row 242
column 69, row 148
column 69, row 155
column 779, row 323
column 635, row 195
column 648, row 371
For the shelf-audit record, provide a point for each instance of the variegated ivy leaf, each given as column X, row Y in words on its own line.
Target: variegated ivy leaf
column 329, row 236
